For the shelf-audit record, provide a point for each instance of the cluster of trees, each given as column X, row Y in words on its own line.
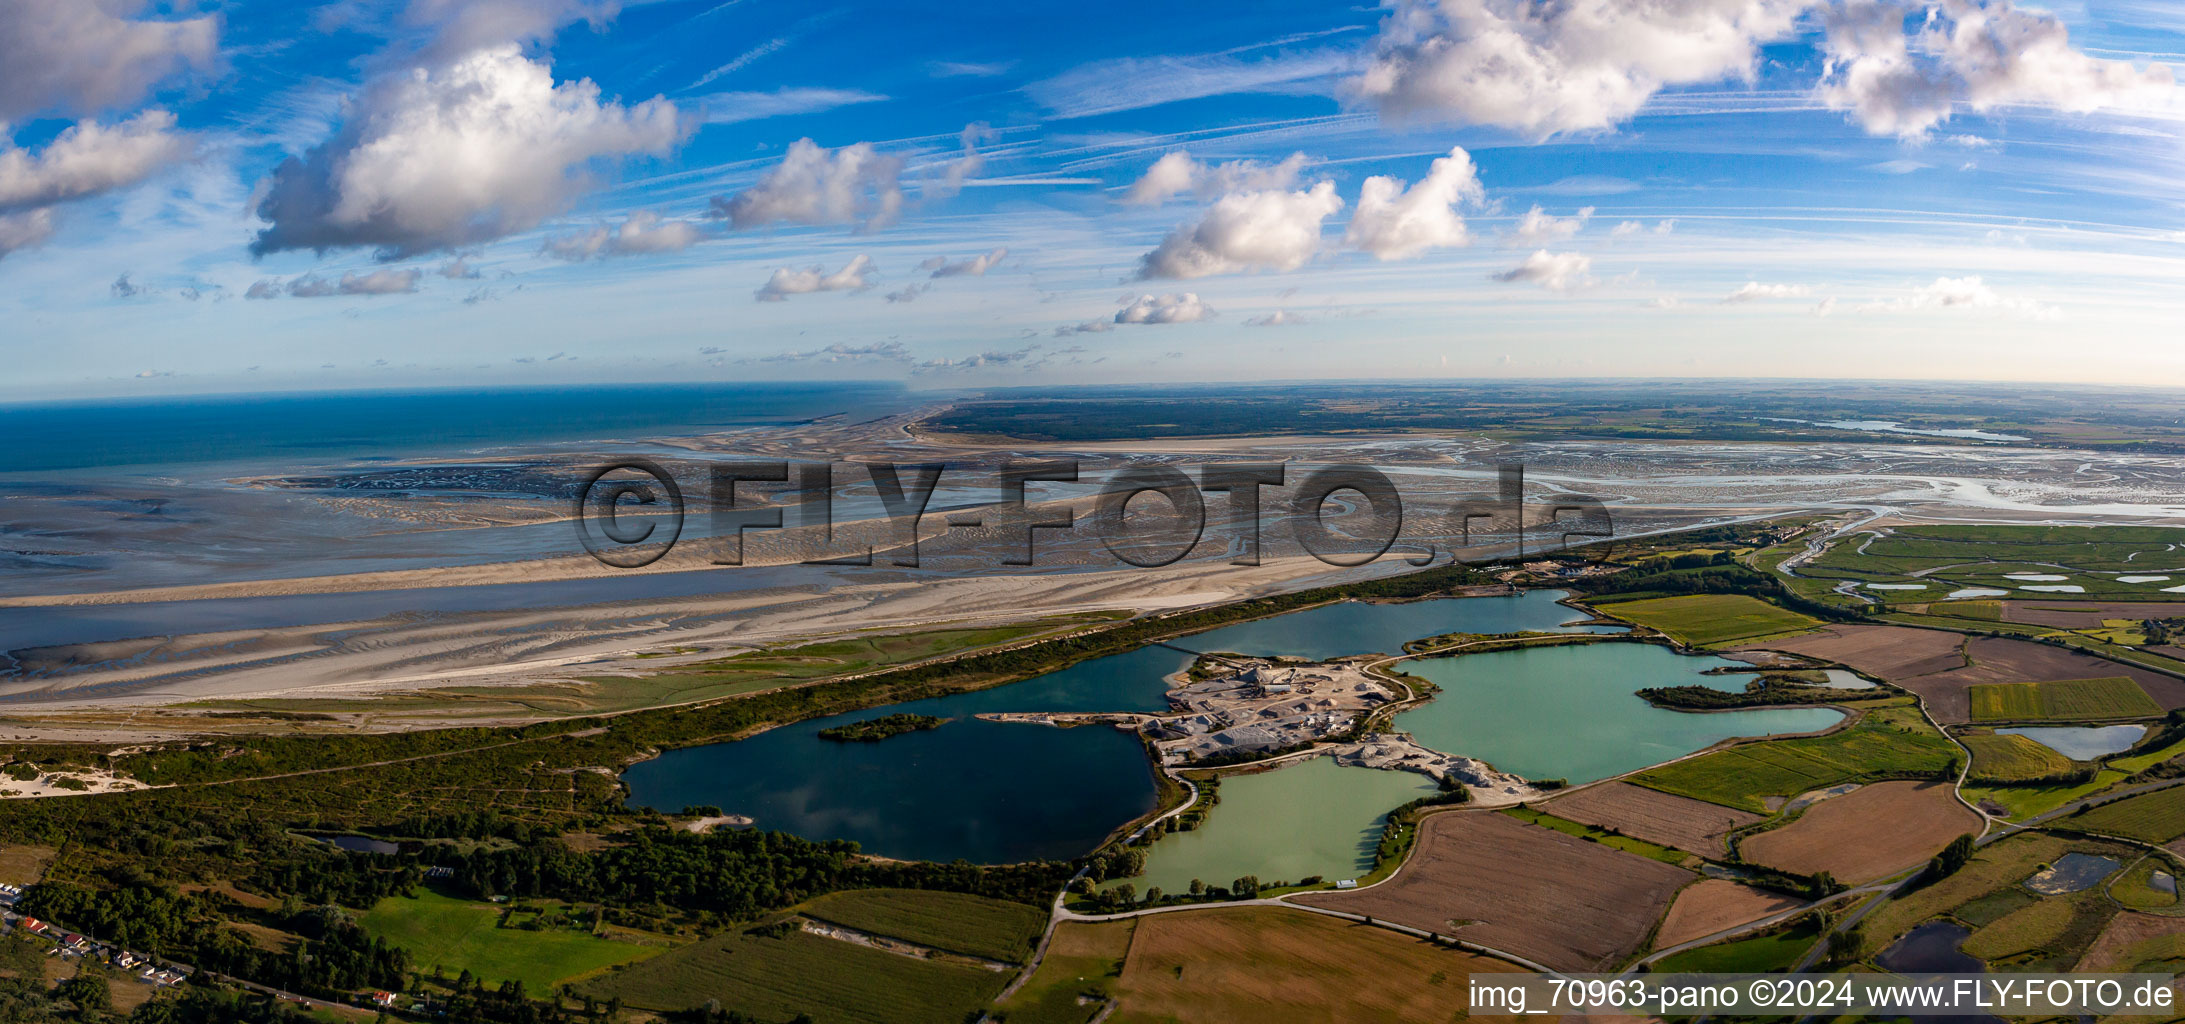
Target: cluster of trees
column 734, row 875
column 876, row 729
column 334, row 959
column 2163, row 631
column 1947, row 863
column 1765, row 690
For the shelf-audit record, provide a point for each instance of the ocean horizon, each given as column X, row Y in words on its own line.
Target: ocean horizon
column 352, row 425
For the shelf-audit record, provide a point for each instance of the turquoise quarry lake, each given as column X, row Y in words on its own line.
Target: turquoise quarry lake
column 993, row 792
column 1570, row 712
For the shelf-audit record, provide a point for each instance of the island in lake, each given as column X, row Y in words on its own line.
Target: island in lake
column 876, row 729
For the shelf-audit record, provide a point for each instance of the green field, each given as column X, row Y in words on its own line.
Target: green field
column 2046, row 935
column 956, row 922
column 2022, row 802
column 457, row 935
column 2062, row 700
column 1891, row 742
column 2141, row 762
column 2156, row 817
column 1774, row 951
column 1999, row 758
column 1704, row 620
column 775, row 977
column 2134, row 887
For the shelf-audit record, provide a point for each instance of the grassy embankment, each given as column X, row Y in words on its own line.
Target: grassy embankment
column 1888, row 742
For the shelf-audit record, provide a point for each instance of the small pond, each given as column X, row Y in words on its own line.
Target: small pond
column 2081, row 742
column 361, row 844
column 2072, row 872
column 1932, row 948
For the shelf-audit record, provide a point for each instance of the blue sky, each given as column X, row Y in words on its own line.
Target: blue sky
column 392, row 193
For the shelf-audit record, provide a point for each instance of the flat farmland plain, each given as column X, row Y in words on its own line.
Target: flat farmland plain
column 1546, row 896
column 1655, row 816
column 1865, row 834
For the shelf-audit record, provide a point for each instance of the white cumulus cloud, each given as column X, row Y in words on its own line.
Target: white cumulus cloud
column 1984, row 54
column 975, row 266
column 1543, row 67
column 1555, row 271
column 85, row 57
column 852, row 277
column 435, row 158
column 1751, row 290
column 1394, row 223
column 1538, row 227
column 85, row 160
column 640, row 232
column 815, row 185
column 312, row 286
column 1270, row 230
column 1174, row 308
column 1966, row 293
column 1177, row 173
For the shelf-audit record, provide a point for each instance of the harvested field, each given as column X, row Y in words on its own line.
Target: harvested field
column 1276, row 964
column 1657, row 817
column 1716, row 904
column 2134, row 942
column 1867, row 833
column 2087, row 614
column 1543, row 895
column 1885, row 652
